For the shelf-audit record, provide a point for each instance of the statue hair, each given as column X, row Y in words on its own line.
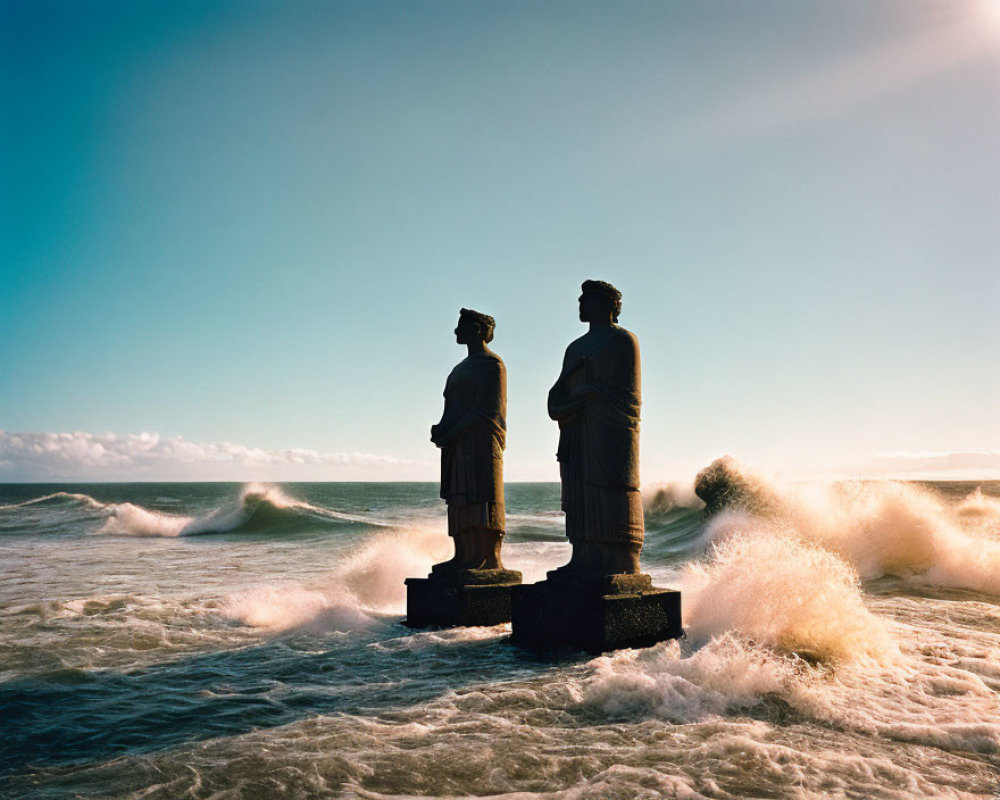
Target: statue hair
column 485, row 321
column 606, row 290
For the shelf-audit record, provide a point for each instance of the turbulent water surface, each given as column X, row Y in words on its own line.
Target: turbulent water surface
column 226, row 641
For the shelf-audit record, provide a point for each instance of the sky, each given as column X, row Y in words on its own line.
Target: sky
column 234, row 237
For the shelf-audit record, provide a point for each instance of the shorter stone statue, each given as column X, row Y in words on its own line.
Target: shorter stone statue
column 472, row 588
column 472, row 435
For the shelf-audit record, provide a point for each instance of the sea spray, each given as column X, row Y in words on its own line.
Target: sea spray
column 980, row 511
column 882, row 528
column 290, row 606
column 783, row 593
column 368, row 582
column 376, row 572
column 658, row 498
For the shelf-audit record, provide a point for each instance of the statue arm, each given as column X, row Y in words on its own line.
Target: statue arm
column 564, row 402
column 437, row 429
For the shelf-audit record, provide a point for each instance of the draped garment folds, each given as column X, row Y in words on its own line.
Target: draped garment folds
column 472, row 457
column 599, row 442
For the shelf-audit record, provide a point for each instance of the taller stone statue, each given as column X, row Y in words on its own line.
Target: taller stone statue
column 596, row 403
column 599, row 600
column 472, row 435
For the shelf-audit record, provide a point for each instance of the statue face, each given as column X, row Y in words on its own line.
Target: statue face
column 592, row 307
column 467, row 331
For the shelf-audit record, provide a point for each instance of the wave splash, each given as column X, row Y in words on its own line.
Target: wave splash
column 878, row 528
column 365, row 586
column 785, row 594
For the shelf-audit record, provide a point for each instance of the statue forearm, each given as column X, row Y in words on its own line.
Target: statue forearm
column 564, row 404
column 469, row 420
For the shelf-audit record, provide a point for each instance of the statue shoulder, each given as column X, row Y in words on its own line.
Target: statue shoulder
column 625, row 344
column 626, row 337
column 492, row 361
column 577, row 345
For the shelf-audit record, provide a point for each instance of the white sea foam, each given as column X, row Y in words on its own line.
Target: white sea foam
column 727, row 673
column 426, row 640
column 942, row 703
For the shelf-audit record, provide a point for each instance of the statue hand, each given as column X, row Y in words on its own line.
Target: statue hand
column 434, row 431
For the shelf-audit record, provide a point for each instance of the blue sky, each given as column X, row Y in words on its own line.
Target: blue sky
column 249, row 227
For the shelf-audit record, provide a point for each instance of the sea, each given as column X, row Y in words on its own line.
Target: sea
column 214, row 640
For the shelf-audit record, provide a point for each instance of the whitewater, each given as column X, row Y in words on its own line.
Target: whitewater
column 246, row 641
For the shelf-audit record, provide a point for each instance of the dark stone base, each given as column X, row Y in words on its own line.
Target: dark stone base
column 461, row 597
column 595, row 615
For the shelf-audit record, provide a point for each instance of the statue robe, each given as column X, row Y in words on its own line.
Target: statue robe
column 599, row 441
column 475, row 431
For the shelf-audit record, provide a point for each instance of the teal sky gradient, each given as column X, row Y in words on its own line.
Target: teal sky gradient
column 256, row 222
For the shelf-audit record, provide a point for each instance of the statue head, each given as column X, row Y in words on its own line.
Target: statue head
column 473, row 324
column 599, row 298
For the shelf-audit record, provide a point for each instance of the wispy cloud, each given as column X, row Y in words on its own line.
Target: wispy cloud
column 82, row 456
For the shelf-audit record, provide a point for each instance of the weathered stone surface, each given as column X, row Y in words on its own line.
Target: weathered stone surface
column 557, row 614
column 444, row 601
column 474, row 577
column 600, row 584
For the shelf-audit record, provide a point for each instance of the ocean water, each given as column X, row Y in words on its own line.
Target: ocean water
column 227, row 641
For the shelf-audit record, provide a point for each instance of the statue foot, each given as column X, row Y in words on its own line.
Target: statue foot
column 456, row 562
column 567, row 570
column 490, row 550
column 446, row 566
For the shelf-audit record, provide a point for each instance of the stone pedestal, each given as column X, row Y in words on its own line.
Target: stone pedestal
column 460, row 597
column 595, row 614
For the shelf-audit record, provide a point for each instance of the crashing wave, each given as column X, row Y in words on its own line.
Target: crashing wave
column 878, row 527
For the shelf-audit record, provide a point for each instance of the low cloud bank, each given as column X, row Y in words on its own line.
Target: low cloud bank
column 957, row 465
column 82, row 456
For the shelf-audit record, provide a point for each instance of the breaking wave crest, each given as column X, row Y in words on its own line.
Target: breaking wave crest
column 57, row 499
column 878, row 528
column 259, row 508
